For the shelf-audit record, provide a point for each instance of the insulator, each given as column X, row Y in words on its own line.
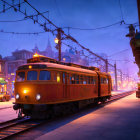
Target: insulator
column 15, row 9
column 3, row 7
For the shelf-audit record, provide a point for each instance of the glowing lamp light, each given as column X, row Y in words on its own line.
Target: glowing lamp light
column 35, row 55
column 25, row 91
column 64, row 59
column 12, row 74
column 56, row 40
column 30, row 67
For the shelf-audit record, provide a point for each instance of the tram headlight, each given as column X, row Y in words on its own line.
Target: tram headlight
column 38, row 97
column 17, row 96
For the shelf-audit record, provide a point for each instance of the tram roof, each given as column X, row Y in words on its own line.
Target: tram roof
column 62, row 67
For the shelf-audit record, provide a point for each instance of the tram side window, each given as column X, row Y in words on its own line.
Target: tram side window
column 88, row 79
column 45, row 75
column 32, row 75
column 94, row 80
column 77, row 79
column 64, row 78
column 81, row 79
column 20, row 76
column 54, row 76
column 104, row 80
column 85, row 80
column 72, row 79
column 91, row 80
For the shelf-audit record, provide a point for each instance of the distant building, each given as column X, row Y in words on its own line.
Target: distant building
column 73, row 57
column 47, row 52
column 19, row 57
column 3, row 83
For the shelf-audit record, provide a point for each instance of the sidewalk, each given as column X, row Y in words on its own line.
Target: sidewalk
column 8, row 113
column 119, row 120
column 7, row 103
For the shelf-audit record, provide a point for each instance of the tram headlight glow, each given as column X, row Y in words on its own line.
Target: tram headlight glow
column 17, row 96
column 38, row 97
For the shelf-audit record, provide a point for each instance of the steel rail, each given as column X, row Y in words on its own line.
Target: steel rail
column 17, row 126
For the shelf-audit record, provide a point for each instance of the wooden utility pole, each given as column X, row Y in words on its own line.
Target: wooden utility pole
column 59, row 43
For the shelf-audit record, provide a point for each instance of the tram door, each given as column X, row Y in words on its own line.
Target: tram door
column 64, row 85
column 109, row 84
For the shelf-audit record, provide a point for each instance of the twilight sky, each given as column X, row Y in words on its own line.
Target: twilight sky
column 80, row 14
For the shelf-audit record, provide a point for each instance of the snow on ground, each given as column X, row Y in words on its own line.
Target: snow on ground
column 7, row 103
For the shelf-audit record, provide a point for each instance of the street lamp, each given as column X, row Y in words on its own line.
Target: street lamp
column 56, row 40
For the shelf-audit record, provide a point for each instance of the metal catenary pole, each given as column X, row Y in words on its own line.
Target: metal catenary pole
column 116, row 81
column 106, row 64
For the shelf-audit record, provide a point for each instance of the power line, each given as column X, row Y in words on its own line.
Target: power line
column 23, row 33
column 31, row 16
column 121, row 10
column 119, row 52
column 13, row 20
column 24, row 13
column 5, row 9
column 75, row 28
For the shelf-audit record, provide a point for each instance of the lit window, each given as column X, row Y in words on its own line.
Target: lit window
column 64, row 78
column 58, row 77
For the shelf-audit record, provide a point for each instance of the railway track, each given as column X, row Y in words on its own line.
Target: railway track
column 118, row 96
column 14, row 127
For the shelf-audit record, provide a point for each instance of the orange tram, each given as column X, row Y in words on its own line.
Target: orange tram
column 46, row 87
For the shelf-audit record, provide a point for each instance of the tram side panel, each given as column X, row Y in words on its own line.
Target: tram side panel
column 85, row 88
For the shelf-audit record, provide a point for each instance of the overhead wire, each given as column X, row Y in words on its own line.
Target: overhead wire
column 22, row 19
column 121, row 10
column 119, row 52
column 24, row 33
column 107, row 26
column 3, row 11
